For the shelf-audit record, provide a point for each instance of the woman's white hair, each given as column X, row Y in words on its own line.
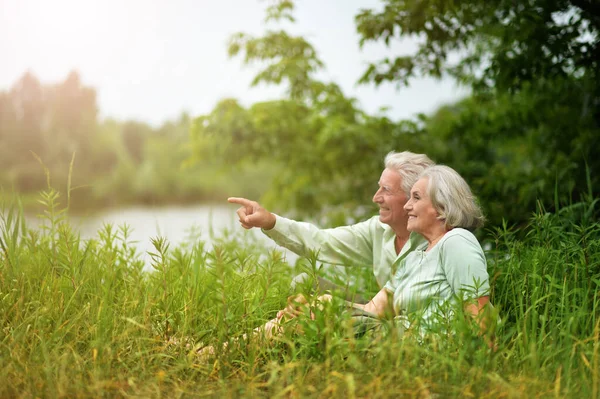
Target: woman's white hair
column 452, row 198
column 409, row 165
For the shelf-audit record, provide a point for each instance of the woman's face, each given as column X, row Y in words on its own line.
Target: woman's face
column 422, row 216
column 391, row 199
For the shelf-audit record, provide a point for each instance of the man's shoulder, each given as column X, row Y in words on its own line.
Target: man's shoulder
column 371, row 223
column 372, row 229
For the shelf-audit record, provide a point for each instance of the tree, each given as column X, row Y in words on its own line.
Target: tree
column 314, row 137
column 134, row 136
column 499, row 43
column 71, row 116
column 52, row 121
column 26, row 99
column 534, row 68
column 528, row 133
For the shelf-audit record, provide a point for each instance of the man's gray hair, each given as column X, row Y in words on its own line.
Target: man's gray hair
column 452, row 198
column 409, row 165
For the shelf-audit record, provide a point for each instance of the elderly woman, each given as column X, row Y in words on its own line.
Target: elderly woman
column 446, row 267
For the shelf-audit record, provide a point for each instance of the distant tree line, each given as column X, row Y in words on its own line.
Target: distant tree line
column 46, row 125
column 53, row 122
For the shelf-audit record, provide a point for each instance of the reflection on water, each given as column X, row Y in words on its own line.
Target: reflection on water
column 175, row 223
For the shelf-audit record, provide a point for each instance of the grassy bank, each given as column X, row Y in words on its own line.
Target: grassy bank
column 81, row 319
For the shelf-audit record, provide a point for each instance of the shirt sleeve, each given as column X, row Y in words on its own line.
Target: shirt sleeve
column 389, row 286
column 464, row 265
column 347, row 245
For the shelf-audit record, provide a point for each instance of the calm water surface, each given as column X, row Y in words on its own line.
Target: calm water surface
column 175, row 223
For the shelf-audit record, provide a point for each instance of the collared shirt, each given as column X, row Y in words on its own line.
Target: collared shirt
column 455, row 266
column 367, row 244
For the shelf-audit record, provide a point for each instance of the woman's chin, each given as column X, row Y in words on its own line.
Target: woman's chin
column 412, row 228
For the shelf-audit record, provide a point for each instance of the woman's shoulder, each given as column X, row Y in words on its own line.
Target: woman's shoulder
column 459, row 231
column 458, row 235
column 460, row 245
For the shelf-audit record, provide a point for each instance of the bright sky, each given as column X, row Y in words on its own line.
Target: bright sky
column 150, row 60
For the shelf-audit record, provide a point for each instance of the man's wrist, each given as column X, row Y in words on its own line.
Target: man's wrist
column 271, row 224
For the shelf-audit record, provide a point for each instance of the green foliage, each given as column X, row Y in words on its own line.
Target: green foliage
column 517, row 149
column 83, row 318
column 528, row 133
column 313, row 138
column 498, row 43
column 296, row 60
column 315, row 148
column 531, row 127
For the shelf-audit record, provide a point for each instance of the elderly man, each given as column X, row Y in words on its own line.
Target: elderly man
column 380, row 242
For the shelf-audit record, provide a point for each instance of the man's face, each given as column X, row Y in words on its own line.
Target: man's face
column 391, row 199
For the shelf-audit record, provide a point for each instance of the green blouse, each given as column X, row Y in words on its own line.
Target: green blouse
column 424, row 280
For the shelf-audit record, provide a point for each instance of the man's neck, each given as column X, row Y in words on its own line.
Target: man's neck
column 401, row 234
column 401, row 240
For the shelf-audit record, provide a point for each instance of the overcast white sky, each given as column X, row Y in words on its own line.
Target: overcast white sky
column 150, row 60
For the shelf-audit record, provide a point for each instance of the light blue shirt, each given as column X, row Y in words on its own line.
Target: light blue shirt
column 424, row 280
column 367, row 244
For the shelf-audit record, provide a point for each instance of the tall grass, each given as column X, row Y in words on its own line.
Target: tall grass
column 80, row 318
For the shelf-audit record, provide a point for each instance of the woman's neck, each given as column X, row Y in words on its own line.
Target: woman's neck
column 434, row 236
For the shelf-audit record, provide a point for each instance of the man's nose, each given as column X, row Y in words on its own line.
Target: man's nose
column 377, row 196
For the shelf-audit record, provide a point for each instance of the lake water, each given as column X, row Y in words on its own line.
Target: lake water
column 175, row 223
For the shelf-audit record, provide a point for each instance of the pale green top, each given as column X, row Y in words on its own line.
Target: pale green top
column 455, row 266
column 368, row 244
